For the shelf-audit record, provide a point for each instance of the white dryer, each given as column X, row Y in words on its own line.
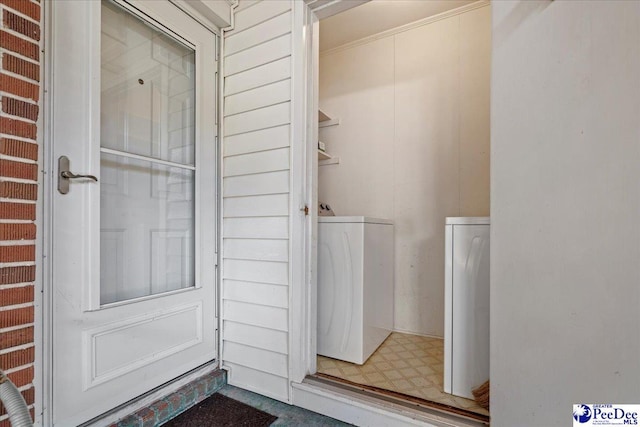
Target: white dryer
column 466, row 326
column 355, row 286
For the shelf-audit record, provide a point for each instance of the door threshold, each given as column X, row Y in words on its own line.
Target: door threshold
column 387, row 403
column 403, row 398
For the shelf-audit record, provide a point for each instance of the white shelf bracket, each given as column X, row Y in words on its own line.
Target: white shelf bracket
column 332, row 161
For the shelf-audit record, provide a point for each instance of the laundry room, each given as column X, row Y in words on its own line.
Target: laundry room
column 403, row 193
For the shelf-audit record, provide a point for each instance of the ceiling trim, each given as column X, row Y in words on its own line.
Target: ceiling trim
column 326, row 8
column 407, row 27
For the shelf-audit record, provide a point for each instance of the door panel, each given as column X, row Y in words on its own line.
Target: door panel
column 134, row 254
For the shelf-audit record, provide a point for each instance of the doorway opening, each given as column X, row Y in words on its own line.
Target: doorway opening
column 403, row 153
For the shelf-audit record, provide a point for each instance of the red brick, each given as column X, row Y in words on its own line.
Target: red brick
column 19, row 87
column 10, row 210
column 20, row 66
column 17, row 253
column 17, row 127
column 22, row 377
column 18, row 190
column 9, row 168
column 16, row 148
column 32, row 10
column 16, row 317
column 28, row 395
column 17, row 231
column 12, row 296
column 17, row 358
column 23, row 274
column 18, row 45
column 16, row 337
column 147, row 417
column 16, row 107
column 21, row 25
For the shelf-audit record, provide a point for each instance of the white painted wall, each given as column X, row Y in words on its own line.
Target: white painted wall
column 413, row 145
column 256, row 198
column 565, row 187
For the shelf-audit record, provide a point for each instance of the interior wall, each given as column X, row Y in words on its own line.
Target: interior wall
column 565, row 186
column 413, row 143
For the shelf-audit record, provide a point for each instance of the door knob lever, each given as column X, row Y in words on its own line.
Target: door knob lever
column 71, row 175
column 64, row 175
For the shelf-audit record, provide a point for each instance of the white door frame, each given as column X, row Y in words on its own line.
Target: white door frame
column 304, row 181
column 43, row 300
column 304, row 172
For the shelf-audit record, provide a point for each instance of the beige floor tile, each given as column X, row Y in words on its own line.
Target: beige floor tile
column 416, row 362
column 392, row 374
column 357, row 379
column 400, row 364
column 425, row 370
column 402, row 385
column 369, row 368
column 375, row 377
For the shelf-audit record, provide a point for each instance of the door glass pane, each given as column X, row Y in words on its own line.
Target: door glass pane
column 148, row 89
column 146, row 228
column 147, row 208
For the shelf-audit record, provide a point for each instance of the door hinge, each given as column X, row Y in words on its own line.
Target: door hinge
column 305, row 210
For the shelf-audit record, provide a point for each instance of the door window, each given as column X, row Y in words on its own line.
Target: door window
column 148, row 150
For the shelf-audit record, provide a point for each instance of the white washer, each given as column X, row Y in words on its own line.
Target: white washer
column 466, row 326
column 355, row 286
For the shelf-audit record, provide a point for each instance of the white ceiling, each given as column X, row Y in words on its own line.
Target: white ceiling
column 377, row 16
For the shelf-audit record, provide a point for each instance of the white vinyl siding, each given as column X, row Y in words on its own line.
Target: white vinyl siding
column 263, row 183
column 257, row 315
column 256, row 228
column 257, row 293
column 256, row 198
column 264, row 96
column 261, row 140
column 268, row 30
column 262, row 118
column 258, row 55
column 257, row 249
column 259, row 76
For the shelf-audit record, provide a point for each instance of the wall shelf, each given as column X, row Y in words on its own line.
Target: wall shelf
column 325, row 158
column 325, row 120
column 331, row 161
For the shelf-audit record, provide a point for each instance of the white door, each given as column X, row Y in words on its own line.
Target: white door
column 134, row 258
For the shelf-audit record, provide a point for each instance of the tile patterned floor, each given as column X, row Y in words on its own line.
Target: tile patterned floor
column 408, row 364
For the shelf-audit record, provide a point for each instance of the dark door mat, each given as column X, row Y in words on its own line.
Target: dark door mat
column 221, row 411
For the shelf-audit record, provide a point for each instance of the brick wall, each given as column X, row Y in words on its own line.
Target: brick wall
column 19, row 109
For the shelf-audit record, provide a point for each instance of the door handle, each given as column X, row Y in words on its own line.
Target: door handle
column 64, row 175
column 71, row 175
